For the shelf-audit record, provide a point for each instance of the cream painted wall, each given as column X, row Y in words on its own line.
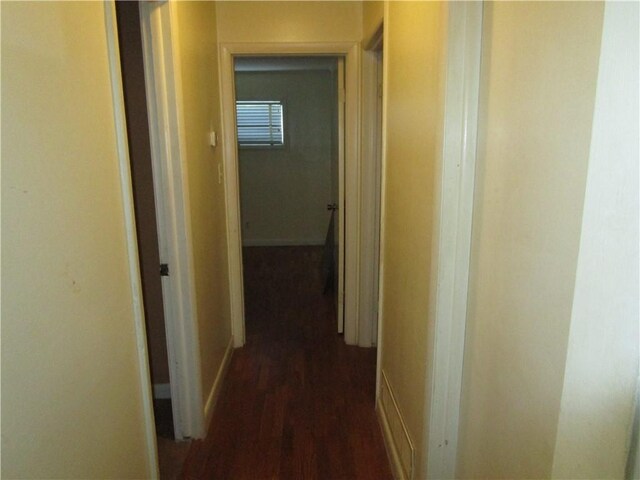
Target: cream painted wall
column 537, row 97
column 602, row 360
column 71, row 393
column 274, row 21
column 284, row 191
column 414, row 52
column 198, row 61
column 372, row 14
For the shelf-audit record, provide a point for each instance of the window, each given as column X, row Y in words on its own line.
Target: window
column 260, row 123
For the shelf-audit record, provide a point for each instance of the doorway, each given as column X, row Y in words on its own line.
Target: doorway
column 290, row 135
column 351, row 54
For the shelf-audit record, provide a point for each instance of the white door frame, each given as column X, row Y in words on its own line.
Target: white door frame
column 351, row 52
column 339, row 228
column 135, row 280
column 370, row 188
column 454, row 223
column 164, row 100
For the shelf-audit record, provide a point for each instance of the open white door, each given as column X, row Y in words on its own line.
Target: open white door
column 347, row 158
column 162, row 80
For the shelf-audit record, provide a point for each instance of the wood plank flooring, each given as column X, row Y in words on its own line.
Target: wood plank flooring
column 297, row 403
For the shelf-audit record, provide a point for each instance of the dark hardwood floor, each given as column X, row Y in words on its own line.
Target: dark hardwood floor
column 171, row 454
column 297, row 402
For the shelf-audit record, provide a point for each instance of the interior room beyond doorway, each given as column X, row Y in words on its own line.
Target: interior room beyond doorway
column 289, row 131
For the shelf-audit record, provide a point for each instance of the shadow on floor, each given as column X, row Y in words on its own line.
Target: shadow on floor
column 297, row 401
column 171, row 454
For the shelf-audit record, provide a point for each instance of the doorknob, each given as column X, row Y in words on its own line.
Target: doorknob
column 332, row 206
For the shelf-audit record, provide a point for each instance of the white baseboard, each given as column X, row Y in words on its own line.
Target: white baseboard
column 392, row 451
column 161, row 390
column 399, row 446
column 217, row 384
column 281, row 242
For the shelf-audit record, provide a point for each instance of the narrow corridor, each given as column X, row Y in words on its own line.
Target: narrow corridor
column 297, row 402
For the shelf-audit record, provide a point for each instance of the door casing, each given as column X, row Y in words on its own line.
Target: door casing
column 454, row 223
column 351, row 52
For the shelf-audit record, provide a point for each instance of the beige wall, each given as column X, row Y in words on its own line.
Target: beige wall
column 71, row 401
column 602, row 358
column 322, row 21
column 284, row 191
column 198, row 60
column 414, row 40
column 537, row 98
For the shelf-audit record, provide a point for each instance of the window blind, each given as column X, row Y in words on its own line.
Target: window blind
column 259, row 123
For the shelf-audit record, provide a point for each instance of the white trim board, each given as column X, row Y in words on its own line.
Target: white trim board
column 399, row 446
column 214, row 393
column 340, row 226
column 383, row 188
column 390, row 446
column 454, row 237
column 131, row 237
column 370, row 190
column 351, row 51
column 282, row 242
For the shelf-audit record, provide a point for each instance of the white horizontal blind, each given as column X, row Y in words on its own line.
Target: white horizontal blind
column 259, row 123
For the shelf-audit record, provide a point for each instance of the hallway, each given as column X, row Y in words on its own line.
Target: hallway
column 501, row 142
column 297, row 402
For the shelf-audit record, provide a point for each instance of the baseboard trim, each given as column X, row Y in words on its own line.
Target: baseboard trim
column 280, row 242
column 217, row 384
column 161, row 391
column 397, row 440
column 389, row 443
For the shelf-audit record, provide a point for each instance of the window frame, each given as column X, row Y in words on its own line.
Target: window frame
column 285, row 129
